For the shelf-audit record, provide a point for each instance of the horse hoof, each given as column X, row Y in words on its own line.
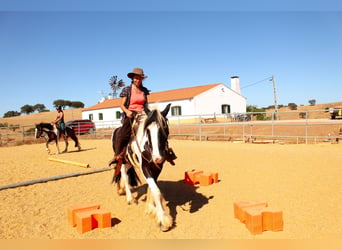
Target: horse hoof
column 164, row 228
column 121, row 192
column 166, row 224
column 133, row 201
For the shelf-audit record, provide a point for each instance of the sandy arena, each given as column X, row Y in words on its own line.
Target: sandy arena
column 304, row 181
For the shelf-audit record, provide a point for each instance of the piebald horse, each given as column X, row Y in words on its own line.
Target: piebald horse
column 145, row 154
column 47, row 129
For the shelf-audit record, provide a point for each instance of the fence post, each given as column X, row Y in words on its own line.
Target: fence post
column 224, row 124
column 273, row 116
column 306, row 126
column 22, row 133
column 179, row 125
column 200, row 127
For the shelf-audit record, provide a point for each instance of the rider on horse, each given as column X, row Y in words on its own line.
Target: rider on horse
column 59, row 121
column 134, row 101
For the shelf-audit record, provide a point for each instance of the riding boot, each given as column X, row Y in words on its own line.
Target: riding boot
column 118, row 158
column 118, row 167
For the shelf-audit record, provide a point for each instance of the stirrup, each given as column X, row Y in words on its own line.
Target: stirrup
column 112, row 161
column 115, row 160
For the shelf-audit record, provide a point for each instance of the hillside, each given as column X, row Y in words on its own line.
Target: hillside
column 24, row 120
column 286, row 114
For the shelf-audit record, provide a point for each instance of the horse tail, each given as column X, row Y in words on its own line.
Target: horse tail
column 72, row 134
column 133, row 178
column 77, row 143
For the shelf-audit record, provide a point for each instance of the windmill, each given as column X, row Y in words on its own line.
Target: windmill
column 115, row 85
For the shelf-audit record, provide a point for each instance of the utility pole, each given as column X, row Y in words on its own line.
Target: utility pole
column 275, row 98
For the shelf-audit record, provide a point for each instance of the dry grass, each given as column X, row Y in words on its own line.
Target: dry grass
column 31, row 119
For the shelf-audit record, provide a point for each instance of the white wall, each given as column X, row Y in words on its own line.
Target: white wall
column 109, row 117
column 186, row 105
column 207, row 103
column 211, row 101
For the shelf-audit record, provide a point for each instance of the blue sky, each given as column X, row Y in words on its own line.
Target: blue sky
column 55, row 52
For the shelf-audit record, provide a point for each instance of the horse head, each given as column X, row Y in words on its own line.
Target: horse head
column 156, row 131
column 40, row 129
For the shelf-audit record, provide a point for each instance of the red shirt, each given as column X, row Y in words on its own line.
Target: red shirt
column 137, row 102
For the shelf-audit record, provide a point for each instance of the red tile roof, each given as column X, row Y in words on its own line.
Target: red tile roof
column 162, row 96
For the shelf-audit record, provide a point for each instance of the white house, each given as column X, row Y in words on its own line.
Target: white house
column 210, row 100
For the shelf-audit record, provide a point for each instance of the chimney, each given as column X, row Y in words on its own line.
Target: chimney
column 235, row 84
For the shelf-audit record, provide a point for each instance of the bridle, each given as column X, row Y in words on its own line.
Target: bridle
column 44, row 132
column 135, row 120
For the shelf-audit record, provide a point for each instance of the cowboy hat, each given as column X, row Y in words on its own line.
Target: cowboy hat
column 136, row 71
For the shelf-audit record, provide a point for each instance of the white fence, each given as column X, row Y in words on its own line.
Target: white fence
column 265, row 127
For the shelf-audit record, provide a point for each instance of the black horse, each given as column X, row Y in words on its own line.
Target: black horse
column 47, row 129
column 146, row 154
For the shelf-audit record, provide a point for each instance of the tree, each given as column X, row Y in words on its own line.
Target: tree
column 292, row 106
column 312, row 102
column 77, row 104
column 258, row 111
column 62, row 103
column 39, row 107
column 27, row 109
column 115, row 86
column 65, row 103
column 253, row 108
column 11, row 114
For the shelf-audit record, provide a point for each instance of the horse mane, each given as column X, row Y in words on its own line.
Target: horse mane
column 45, row 125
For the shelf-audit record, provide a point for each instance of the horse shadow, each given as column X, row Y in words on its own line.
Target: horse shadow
column 81, row 150
column 179, row 194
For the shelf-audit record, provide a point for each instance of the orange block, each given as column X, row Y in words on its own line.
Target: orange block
column 192, row 176
column 72, row 210
column 258, row 216
column 83, row 221
column 253, row 220
column 239, row 208
column 205, row 179
column 214, row 176
column 272, row 219
column 88, row 220
column 102, row 218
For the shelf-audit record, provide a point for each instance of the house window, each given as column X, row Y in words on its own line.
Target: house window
column 225, row 109
column 118, row 115
column 91, row 117
column 100, row 116
column 176, row 110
